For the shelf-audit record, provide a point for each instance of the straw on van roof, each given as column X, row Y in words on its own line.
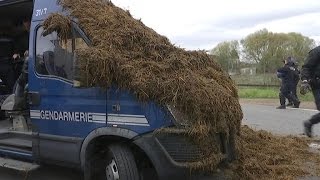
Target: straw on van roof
column 134, row 57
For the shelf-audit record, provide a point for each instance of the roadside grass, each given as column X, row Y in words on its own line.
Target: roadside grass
column 267, row 93
column 257, row 79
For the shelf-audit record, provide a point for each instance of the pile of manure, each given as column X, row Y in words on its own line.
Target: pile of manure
column 132, row 56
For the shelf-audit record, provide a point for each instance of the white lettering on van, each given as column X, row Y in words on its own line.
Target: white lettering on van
column 66, row 116
column 40, row 12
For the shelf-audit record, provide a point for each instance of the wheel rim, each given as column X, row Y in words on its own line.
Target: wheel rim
column 112, row 172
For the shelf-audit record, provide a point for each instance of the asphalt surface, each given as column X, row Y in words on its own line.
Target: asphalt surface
column 43, row 173
column 279, row 121
column 284, row 122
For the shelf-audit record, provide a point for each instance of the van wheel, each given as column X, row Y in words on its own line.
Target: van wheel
column 118, row 163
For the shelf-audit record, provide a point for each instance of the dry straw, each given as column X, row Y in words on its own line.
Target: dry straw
column 128, row 54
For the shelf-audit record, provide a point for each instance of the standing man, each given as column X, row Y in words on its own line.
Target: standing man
column 22, row 40
column 310, row 77
column 286, row 74
column 296, row 77
column 21, row 46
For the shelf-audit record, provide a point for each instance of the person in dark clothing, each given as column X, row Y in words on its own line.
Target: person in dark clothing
column 10, row 68
column 6, row 68
column 296, row 77
column 310, row 77
column 7, row 76
column 23, row 78
column 286, row 74
column 22, row 41
column 21, row 47
column 21, row 88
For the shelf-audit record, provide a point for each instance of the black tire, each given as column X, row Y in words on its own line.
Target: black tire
column 117, row 163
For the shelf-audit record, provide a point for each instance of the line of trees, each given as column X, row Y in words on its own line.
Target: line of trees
column 263, row 49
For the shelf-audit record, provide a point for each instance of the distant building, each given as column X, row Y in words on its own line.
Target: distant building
column 232, row 73
column 248, row 71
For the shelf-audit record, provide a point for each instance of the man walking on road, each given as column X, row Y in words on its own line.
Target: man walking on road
column 296, row 77
column 310, row 77
column 286, row 74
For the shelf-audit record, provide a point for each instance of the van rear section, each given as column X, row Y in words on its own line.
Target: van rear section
column 47, row 118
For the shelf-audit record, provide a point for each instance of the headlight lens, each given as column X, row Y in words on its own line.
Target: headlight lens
column 179, row 118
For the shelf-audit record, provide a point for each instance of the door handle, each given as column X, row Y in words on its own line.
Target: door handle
column 34, row 98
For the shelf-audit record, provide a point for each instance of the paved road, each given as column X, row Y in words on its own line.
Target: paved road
column 43, row 173
column 284, row 122
column 280, row 121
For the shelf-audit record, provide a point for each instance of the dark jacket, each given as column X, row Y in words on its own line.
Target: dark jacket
column 296, row 72
column 311, row 69
column 286, row 73
column 21, row 43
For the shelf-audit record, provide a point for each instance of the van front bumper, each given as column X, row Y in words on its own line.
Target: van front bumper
column 171, row 154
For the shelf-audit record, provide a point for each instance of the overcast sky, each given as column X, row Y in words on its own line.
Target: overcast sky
column 202, row 24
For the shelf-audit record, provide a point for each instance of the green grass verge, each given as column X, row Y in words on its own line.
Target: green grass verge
column 266, row 93
column 258, row 79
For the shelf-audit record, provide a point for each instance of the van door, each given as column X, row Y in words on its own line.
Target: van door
column 62, row 114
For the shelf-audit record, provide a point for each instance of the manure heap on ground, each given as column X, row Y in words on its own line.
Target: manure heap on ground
column 269, row 157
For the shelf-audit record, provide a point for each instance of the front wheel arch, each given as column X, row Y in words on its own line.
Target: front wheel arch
column 114, row 134
column 118, row 162
column 100, row 143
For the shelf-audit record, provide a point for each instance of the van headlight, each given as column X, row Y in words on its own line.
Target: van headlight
column 179, row 118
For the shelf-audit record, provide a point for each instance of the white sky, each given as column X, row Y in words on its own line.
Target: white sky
column 202, row 24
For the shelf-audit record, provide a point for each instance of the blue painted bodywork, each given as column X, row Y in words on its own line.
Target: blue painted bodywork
column 59, row 95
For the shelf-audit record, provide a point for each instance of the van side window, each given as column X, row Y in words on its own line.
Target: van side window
column 55, row 57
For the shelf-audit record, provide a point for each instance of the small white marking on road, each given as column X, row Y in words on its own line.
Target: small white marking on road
column 314, row 145
column 313, row 110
